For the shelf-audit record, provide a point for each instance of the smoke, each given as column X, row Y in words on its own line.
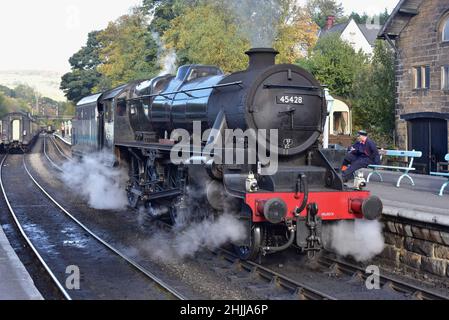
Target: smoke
column 168, row 63
column 196, row 228
column 257, row 20
column 208, row 234
column 96, row 181
column 361, row 239
column 167, row 57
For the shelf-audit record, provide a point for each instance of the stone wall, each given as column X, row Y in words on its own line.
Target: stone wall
column 420, row 44
column 417, row 247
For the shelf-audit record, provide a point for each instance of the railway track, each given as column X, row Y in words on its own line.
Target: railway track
column 339, row 267
column 270, row 284
column 49, row 271
column 264, row 282
column 41, row 223
column 60, row 151
column 52, row 163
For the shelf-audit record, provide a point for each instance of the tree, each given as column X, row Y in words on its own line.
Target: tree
column 319, row 10
column 84, row 77
column 80, row 83
column 7, row 91
column 213, row 32
column 205, row 35
column 26, row 93
column 335, row 64
column 296, row 33
column 359, row 19
column 128, row 51
column 163, row 12
column 380, row 18
column 66, row 108
column 10, row 104
column 373, row 98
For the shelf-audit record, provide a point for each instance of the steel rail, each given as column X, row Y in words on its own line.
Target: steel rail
column 48, row 158
column 27, row 239
column 53, row 140
column 387, row 281
column 133, row 263
column 275, row 277
column 272, row 278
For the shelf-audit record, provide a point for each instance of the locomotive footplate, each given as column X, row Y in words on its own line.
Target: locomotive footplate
column 308, row 231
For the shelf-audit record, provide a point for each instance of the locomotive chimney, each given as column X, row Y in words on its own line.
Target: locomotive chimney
column 260, row 58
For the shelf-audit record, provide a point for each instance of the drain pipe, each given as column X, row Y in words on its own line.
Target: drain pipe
column 285, row 246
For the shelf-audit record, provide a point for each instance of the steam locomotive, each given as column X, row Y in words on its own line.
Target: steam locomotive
column 209, row 116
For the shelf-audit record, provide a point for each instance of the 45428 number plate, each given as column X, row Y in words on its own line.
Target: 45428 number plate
column 289, row 99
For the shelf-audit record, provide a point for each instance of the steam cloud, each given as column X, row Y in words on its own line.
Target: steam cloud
column 101, row 185
column 361, row 239
column 167, row 57
column 209, row 234
column 256, row 19
column 194, row 230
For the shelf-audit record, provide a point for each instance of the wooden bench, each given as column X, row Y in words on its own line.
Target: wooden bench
column 409, row 155
column 442, row 174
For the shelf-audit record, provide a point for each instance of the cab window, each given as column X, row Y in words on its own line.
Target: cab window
column 121, row 108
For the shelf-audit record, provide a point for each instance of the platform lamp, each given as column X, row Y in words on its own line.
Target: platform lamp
column 330, row 107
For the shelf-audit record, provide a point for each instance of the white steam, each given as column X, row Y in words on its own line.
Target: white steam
column 167, row 57
column 102, row 186
column 195, row 227
column 361, row 239
column 209, row 234
column 257, row 19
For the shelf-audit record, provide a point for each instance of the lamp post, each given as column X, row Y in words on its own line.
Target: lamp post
column 330, row 107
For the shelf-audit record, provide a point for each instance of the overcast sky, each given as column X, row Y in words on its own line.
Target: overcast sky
column 43, row 34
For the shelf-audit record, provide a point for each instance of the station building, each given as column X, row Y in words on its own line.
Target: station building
column 418, row 30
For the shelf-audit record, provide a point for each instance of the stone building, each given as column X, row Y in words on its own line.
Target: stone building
column 418, row 30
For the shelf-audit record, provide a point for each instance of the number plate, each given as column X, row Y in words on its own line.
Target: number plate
column 289, row 99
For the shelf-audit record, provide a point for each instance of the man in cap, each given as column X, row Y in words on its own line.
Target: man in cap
column 362, row 154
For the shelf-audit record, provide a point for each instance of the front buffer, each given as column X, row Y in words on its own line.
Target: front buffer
column 301, row 217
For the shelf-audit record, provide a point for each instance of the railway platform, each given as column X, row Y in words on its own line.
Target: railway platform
column 420, row 202
column 15, row 282
column 67, row 140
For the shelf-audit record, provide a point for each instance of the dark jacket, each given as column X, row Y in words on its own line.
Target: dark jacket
column 367, row 150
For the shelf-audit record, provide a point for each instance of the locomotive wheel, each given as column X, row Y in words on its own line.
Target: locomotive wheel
column 133, row 199
column 257, row 240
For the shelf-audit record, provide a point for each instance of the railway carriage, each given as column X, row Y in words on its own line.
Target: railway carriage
column 18, row 131
column 135, row 123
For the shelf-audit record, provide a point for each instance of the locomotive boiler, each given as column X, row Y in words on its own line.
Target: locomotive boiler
column 283, row 194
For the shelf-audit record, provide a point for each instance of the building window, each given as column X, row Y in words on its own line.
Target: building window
column 445, row 78
column 421, row 76
column 445, row 35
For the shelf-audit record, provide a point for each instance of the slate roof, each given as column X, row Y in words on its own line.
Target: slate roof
column 399, row 18
column 370, row 32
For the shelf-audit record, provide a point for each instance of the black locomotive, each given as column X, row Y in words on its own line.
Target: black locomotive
column 139, row 124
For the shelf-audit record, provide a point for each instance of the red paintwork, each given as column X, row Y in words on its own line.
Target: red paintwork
column 331, row 205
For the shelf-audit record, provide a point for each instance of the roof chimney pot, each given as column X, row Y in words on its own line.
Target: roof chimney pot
column 330, row 22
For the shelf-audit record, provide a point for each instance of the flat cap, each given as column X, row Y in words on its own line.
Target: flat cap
column 362, row 133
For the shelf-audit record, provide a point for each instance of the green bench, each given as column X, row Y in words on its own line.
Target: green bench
column 409, row 156
column 442, row 174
